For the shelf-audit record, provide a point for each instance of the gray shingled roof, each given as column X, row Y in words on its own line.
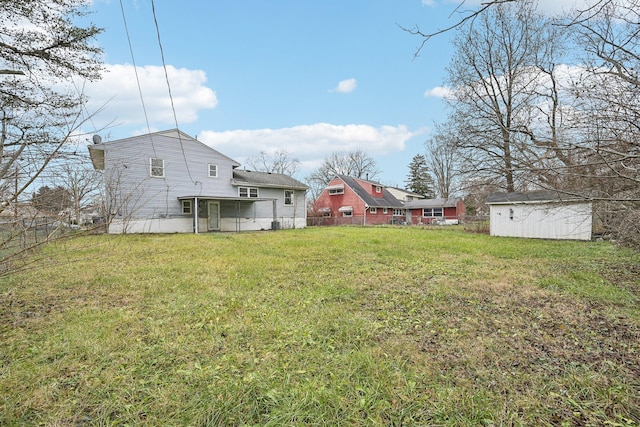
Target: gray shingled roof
column 266, row 179
column 431, row 203
column 386, row 201
column 530, row 196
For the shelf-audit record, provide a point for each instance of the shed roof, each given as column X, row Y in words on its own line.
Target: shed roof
column 540, row 196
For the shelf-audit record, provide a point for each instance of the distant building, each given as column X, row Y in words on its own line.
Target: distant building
column 349, row 200
column 436, row 211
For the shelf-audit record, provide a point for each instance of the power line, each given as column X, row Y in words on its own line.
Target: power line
column 166, row 76
column 135, row 70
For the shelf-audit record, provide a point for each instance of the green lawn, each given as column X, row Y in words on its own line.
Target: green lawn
column 322, row 326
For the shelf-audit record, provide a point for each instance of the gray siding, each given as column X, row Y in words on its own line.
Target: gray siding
column 186, row 170
column 139, row 202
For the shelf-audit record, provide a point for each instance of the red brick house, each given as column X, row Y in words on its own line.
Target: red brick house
column 430, row 211
column 348, row 200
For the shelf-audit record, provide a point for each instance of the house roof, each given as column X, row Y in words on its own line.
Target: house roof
column 96, row 150
column 531, row 197
column 407, row 192
column 432, row 203
column 266, row 179
column 386, row 201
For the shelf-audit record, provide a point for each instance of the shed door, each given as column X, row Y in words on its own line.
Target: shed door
column 213, row 222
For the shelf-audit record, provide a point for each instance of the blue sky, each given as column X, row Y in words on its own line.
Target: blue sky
column 310, row 77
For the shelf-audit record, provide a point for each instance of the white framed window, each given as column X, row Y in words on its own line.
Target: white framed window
column 373, row 210
column 347, row 213
column 385, row 211
column 289, row 199
column 378, row 189
column 432, row 212
column 249, row 192
column 187, row 207
column 398, row 212
column 333, row 191
column 156, row 167
column 213, row 171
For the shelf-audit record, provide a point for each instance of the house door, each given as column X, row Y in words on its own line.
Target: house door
column 213, row 222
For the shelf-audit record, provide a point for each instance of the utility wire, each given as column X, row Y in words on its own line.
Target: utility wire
column 135, row 69
column 166, row 76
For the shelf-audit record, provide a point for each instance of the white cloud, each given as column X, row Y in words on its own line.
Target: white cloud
column 310, row 144
column 346, row 86
column 438, row 92
column 428, row 2
column 548, row 7
column 118, row 92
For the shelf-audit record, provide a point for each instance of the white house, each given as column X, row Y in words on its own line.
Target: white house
column 169, row 182
column 540, row 214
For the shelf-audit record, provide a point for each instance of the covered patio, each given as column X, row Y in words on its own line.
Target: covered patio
column 237, row 214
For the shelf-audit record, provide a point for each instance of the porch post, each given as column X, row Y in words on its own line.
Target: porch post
column 274, row 224
column 195, row 214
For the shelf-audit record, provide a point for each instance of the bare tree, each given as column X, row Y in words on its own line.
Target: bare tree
column 496, row 80
column 465, row 16
column 354, row 163
column 443, row 161
column 42, row 51
column 607, row 116
column 278, row 162
column 520, row 125
column 81, row 181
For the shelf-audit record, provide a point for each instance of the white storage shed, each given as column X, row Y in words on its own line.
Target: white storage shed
column 541, row 215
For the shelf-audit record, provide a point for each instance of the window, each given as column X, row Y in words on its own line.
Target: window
column 157, row 167
column 213, row 171
column 373, row 210
column 288, row 198
column 347, row 213
column 385, row 210
column 432, row 212
column 398, row 212
column 378, row 189
column 249, row 192
column 187, row 207
column 333, row 191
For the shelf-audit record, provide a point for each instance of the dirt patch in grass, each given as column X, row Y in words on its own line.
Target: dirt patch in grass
column 520, row 345
column 626, row 276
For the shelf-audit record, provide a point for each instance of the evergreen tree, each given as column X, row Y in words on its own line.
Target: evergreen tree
column 419, row 180
column 51, row 200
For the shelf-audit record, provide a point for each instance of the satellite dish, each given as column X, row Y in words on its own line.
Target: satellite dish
column 97, row 139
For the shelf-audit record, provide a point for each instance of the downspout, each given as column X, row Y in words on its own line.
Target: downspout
column 366, row 208
column 195, row 214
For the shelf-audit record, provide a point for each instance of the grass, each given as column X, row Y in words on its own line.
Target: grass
column 322, row 326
